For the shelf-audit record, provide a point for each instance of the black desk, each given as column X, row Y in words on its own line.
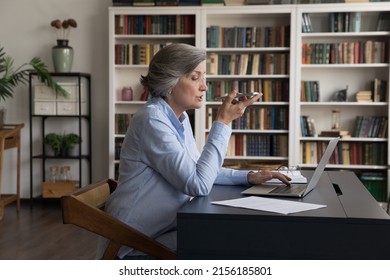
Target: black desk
column 352, row 226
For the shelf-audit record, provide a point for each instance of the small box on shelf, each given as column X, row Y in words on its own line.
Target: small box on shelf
column 335, row 133
column 58, row 188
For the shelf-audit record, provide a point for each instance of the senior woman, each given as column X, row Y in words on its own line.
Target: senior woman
column 160, row 166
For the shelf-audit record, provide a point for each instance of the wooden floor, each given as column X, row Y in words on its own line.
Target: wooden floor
column 39, row 234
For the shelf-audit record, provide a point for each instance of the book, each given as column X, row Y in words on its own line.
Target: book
column 383, row 23
column 355, row 22
column 188, row 3
column 166, row 2
column 306, row 23
column 122, row 2
column 234, row 2
column 257, row 2
column 212, row 3
column 329, row 133
column 364, row 96
column 213, row 64
column 141, row 3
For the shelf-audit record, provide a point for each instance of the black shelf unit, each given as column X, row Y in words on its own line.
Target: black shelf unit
column 83, row 154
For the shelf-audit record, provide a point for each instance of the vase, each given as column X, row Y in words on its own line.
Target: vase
column 62, row 56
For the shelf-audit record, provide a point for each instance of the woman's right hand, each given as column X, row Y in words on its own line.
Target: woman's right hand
column 232, row 108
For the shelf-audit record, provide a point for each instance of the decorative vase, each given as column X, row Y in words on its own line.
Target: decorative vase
column 62, row 56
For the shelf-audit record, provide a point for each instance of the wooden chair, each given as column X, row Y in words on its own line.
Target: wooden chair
column 85, row 208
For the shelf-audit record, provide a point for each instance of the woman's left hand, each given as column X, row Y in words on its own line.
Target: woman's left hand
column 256, row 178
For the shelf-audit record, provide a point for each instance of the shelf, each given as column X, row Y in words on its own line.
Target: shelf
column 351, row 65
column 345, row 34
column 332, row 104
column 72, row 122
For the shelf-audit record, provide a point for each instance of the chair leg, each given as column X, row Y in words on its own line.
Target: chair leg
column 111, row 251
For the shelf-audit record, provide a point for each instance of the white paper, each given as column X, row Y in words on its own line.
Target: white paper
column 269, row 204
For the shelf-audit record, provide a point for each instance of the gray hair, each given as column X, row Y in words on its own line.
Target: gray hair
column 168, row 65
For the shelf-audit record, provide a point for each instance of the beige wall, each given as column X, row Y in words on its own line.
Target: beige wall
column 25, row 32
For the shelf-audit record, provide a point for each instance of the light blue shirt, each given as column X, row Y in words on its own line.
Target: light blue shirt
column 161, row 168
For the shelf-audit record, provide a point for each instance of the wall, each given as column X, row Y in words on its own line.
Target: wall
column 25, row 32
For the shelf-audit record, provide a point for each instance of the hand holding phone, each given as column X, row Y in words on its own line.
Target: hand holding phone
column 238, row 96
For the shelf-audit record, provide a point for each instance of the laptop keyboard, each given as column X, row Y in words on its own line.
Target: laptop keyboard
column 294, row 189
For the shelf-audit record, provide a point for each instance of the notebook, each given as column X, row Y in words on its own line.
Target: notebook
column 296, row 190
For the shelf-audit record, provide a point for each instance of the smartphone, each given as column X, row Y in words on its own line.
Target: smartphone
column 251, row 94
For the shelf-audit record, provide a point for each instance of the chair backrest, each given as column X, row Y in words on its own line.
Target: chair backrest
column 85, row 208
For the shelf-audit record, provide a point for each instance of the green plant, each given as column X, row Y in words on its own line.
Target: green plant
column 62, row 143
column 70, row 140
column 10, row 77
column 54, row 140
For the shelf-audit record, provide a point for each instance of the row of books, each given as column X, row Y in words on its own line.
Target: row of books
column 310, row 91
column 376, row 184
column 154, row 24
column 259, row 118
column 134, row 54
column 118, row 147
column 383, row 21
column 148, row 3
column 122, row 122
column 273, row 90
column 307, row 125
column 189, row 2
column 379, row 90
column 307, row 27
column 348, row 153
column 345, row 22
column 248, row 64
column 258, row 145
column 247, row 37
column 370, row 126
column 344, row 52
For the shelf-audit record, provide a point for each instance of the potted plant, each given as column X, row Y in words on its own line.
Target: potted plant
column 11, row 77
column 54, row 141
column 69, row 142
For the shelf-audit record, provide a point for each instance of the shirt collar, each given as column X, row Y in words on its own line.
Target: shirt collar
column 176, row 122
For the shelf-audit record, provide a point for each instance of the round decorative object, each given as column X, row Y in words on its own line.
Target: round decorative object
column 62, row 56
column 127, row 94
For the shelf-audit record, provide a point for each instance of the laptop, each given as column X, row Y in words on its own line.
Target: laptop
column 295, row 190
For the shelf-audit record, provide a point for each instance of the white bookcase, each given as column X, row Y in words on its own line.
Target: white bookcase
column 357, row 75
column 126, row 73
column 252, row 142
column 331, row 77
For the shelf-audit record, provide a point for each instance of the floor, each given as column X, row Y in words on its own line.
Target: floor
column 37, row 233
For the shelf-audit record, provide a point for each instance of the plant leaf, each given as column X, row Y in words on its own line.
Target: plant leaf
column 10, row 78
column 42, row 72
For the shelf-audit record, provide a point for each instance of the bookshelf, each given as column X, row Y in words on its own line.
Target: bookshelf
column 249, row 49
column 279, row 114
column 134, row 35
column 337, row 57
